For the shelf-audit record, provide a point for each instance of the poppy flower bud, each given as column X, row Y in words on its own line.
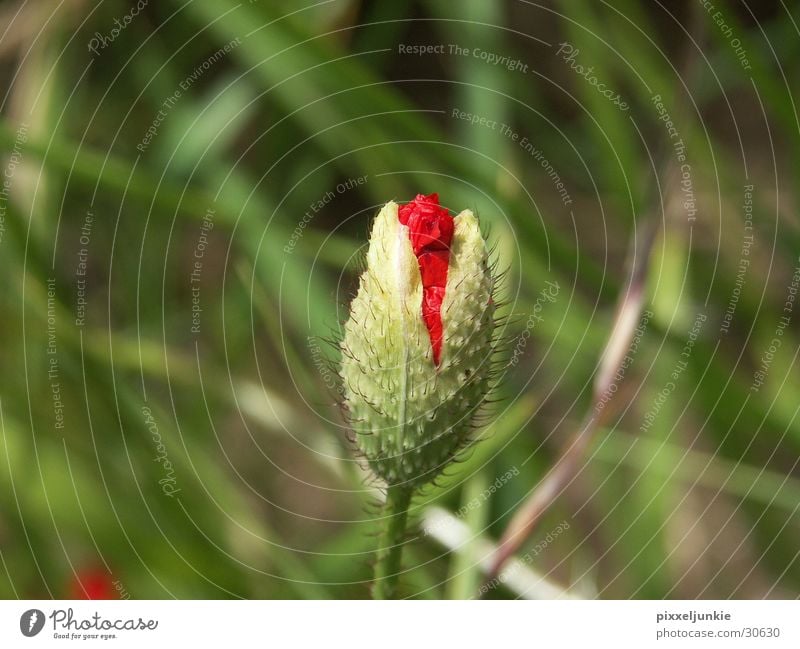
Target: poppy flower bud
column 92, row 583
column 418, row 343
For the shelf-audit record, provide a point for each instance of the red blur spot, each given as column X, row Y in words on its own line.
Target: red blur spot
column 92, row 584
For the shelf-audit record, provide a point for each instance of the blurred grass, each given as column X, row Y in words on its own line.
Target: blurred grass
column 272, row 503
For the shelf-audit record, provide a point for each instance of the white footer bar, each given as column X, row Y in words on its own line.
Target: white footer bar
column 400, row 625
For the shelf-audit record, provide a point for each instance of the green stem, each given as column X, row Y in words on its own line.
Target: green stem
column 390, row 545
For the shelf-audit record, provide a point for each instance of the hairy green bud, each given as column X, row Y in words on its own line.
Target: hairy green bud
column 417, row 350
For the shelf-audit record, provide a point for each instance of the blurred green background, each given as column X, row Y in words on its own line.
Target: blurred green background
column 186, row 196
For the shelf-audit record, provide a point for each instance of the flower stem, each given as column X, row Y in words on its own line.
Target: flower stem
column 390, row 545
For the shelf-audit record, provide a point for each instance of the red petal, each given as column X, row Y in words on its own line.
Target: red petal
column 432, row 315
column 430, row 229
column 433, row 268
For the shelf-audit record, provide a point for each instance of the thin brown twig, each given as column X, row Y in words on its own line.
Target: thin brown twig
column 628, row 314
column 629, row 310
column 626, row 321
